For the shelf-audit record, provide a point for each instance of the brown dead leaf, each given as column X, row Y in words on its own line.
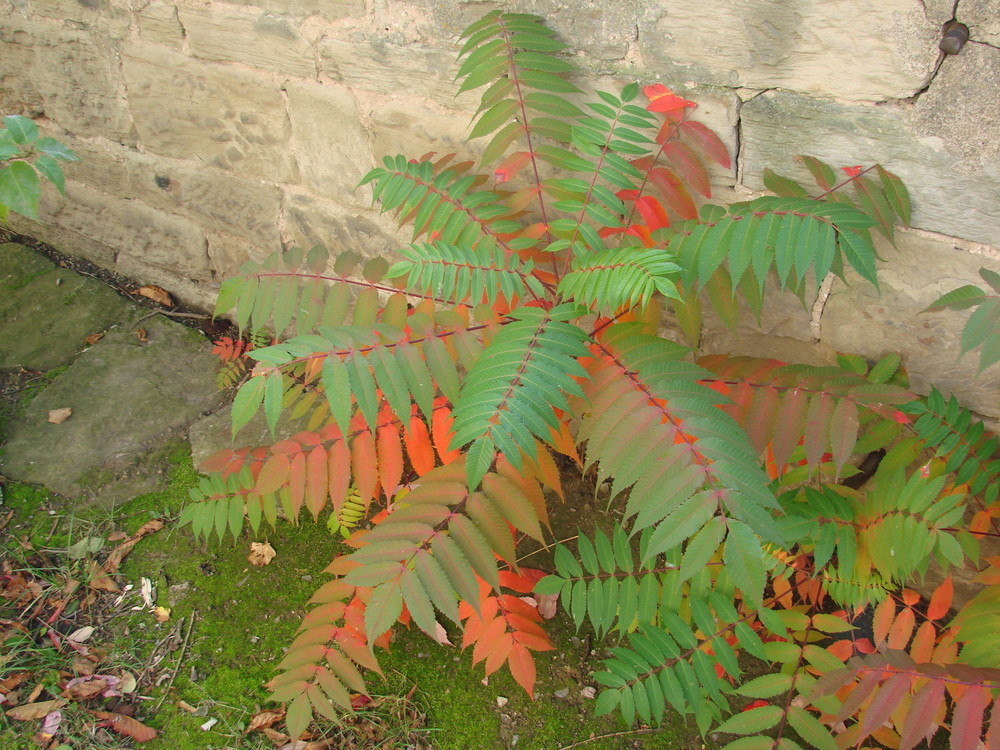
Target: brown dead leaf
column 141, row 334
column 261, row 553
column 159, row 295
column 93, row 338
column 265, row 719
column 34, row 711
column 98, row 578
column 85, row 664
column 9, row 683
column 118, row 553
column 276, row 737
column 84, row 690
column 58, row 416
column 21, row 589
column 127, row 725
column 547, row 605
column 162, row 614
column 116, row 536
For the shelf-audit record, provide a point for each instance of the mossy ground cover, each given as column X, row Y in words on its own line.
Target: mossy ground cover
column 229, row 622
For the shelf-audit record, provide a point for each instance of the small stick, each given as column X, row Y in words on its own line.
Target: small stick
column 180, row 657
column 171, row 314
column 609, row 736
column 819, row 305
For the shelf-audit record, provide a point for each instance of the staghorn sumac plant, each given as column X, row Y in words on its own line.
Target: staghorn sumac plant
column 442, row 398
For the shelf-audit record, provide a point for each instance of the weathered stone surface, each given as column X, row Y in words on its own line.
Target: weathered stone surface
column 309, row 221
column 962, row 109
column 261, row 40
column 858, row 319
column 415, row 128
column 78, row 78
column 101, row 166
column 92, row 224
column 108, row 16
column 842, row 49
column 373, row 63
column 945, row 199
column 216, row 200
column 159, row 24
column 127, row 397
column 19, row 93
column 983, row 19
column 333, row 146
column 329, row 10
column 46, row 312
column 229, row 118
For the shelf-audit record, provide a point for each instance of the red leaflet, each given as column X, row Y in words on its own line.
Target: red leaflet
column 662, row 99
column 522, row 667
column 509, row 167
column 689, row 166
column 390, row 458
column 297, row 483
column 364, row 466
column 339, row 473
column 272, row 476
column 940, row 600
column 317, row 481
column 418, row 446
column 967, row 720
column 851, row 171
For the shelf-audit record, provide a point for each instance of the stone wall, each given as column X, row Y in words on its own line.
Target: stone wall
column 213, row 131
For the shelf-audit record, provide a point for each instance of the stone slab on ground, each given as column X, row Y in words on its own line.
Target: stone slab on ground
column 46, row 311
column 129, row 393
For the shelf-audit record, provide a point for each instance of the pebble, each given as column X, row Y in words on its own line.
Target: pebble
column 562, row 693
column 588, row 692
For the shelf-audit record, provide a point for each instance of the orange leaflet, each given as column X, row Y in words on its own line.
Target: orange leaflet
column 390, row 458
column 441, row 431
column 662, row 99
column 418, row 446
column 940, row 600
column 364, row 466
column 522, row 667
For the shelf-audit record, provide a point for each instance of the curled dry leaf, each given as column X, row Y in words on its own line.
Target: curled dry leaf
column 93, row 338
column 119, row 552
column 33, row 711
column 264, row 719
column 261, row 553
column 140, row 333
column 84, row 688
column 547, row 605
column 127, row 726
column 159, row 295
column 98, row 578
column 58, row 416
column 162, row 614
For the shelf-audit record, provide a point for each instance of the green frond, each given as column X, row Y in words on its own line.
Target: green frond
column 793, row 236
column 466, row 274
column 509, row 394
column 617, row 278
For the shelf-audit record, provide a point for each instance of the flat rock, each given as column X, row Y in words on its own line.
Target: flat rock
column 47, row 312
column 128, row 397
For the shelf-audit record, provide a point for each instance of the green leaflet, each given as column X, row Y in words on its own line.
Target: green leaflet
column 508, row 395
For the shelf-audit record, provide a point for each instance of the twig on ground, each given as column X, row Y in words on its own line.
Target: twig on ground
column 177, row 666
column 609, row 736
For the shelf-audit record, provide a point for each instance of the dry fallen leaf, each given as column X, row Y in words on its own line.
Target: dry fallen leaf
column 58, row 416
column 261, row 553
column 99, row 579
column 93, row 338
column 80, row 635
column 141, row 334
column 119, row 552
column 264, row 719
column 33, row 711
column 87, row 688
column 547, row 605
column 129, row 683
column 159, row 295
column 162, row 614
column 127, row 725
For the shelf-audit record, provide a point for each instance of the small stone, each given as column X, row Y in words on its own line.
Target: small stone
column 588, row 692
column 501, row 701
column 307, row 578
column 562, row 693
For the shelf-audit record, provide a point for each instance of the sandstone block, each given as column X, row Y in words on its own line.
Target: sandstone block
column 268, row 41
column 87, row 220
column 216, row 200
column 101, row 166
column 841, row 49
column 108, row 17
column 331, row 145
column 78, row 79
column 309, row 221
column 413, row 128
column 860, row 320
column 330, row 10
column 983, row 19
column 226, row 117
column 959, row 202
column 19, row 94
column 159, row 24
